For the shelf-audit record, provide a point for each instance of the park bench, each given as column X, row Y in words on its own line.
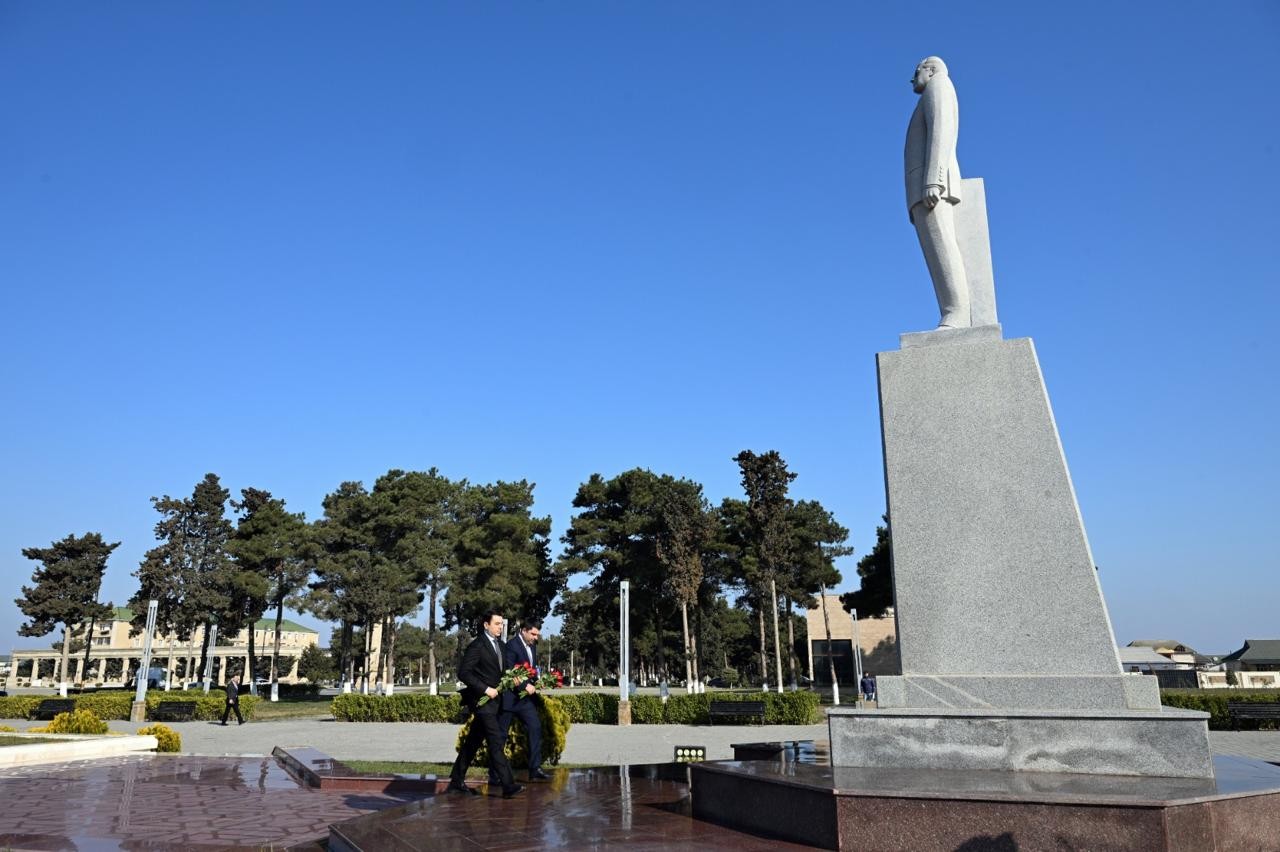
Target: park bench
column 51, row 707
column 174, row 711
column 735, row 708
column 1259, row 710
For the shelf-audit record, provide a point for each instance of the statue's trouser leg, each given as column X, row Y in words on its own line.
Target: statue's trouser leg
column 936, row 229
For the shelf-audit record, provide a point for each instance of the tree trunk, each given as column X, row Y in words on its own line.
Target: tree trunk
column 66, row 653
column 390, row 682
column 377, row 659
column 688, row 649
column 434, row 687
column 204, row 651
column 693, row 662
column 777, row 642
column 368, row 651
column 791, row 646
column 831, row 658
column 764, row 648
column 275, row 651
column 660, row 660
column 249, row 677
column 88, row 647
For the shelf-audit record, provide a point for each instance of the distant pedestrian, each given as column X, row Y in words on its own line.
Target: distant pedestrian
column 233, row 701
column 867, row 687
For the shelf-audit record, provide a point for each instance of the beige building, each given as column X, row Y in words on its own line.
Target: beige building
column 877, row 640
column 115, row 654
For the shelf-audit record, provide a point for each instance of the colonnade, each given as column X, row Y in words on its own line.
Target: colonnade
column 95, row 670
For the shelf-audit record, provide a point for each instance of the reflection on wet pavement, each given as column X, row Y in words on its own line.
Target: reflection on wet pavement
column 636, row 808
column 161, row 802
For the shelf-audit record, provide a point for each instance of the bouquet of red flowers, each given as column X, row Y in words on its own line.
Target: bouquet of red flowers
column 550, row 679
column 511, row 678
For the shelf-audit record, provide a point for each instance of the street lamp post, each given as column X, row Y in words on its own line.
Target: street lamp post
column 624, row 652
column 138, row 713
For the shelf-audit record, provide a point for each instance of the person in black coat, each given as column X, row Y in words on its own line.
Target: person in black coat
column 233, row 701
column 483, row 664
column 522, row 648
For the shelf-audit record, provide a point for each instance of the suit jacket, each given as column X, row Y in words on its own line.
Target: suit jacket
column 233, row 693
column 480, row 668
column 515, row 654
column 930, row 153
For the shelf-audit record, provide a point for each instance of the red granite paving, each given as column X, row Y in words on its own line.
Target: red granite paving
column 163, row 802
column 579, row 809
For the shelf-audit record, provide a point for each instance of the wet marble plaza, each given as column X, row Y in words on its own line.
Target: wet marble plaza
column 162, row 802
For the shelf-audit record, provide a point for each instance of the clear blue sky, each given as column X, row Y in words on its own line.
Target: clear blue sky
column 296, row 243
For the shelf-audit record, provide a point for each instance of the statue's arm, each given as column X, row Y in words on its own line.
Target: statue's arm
column 942, row 122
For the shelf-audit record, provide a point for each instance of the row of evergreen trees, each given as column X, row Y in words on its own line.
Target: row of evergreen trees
column 418, row 539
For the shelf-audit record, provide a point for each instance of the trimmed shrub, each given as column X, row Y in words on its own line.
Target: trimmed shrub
column 208, row 707
column 792, row 708
column 296, row 690
column 167, row 738
column 591, row 708
column 75, row 722
column 408, row 707
column 106, row 705
column 8, row 729
column 1214, row 702
column 788, row 708
column 684, row 709
column 645, row 710
column 18, row 706
column 555, row 733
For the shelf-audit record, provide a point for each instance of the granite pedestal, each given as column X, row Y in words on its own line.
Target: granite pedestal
column 941, row 810
column 1007, row 655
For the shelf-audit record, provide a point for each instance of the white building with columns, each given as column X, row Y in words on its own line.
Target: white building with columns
column 114, row 655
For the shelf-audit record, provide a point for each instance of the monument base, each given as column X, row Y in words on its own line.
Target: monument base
column 1166, row 743
column 1021, row 692
column 878, row 810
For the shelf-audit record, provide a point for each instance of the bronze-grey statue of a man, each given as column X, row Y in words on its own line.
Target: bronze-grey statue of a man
column 933, row 187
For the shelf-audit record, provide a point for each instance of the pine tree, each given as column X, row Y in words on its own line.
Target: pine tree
column 65, row 587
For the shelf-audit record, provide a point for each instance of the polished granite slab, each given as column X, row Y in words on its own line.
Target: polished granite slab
column 924, row 810
column 1235, row 776
column 636, row 808
column 314, row 768
column 169, row 802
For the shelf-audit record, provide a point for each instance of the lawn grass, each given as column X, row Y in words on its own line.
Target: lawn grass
column 7, row 740
column 441, row 770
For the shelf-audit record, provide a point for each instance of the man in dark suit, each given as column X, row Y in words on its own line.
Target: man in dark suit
column 233, row 701
column 483, row 664
column 522, row 648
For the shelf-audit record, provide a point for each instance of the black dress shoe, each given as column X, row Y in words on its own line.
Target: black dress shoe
column 462, row 789
column 507, row 794
column 538, row 775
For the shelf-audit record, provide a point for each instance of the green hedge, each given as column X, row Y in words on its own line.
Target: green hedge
column 591, row 708
column 1214, row 702
column 406, row 707
column 584, row 708
column 117, row 704
column 787, row 708
column 18, row 706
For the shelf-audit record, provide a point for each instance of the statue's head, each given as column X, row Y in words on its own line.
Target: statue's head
column 926, row 70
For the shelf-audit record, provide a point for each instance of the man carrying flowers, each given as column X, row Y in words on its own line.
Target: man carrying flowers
column 520, row 702
column 483, row 673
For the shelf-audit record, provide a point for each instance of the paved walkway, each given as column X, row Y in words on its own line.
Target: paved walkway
column 599, row 745
column 169, row 802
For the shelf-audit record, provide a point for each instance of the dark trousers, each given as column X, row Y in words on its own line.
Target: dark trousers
column 527, row 712
column 232, row 705
column 484, row 729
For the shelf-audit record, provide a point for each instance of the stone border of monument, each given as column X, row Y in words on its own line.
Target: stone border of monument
column 73, row 747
